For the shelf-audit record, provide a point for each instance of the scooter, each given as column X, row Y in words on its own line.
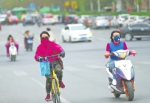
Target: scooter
column 29, row 43
column 124, row 75
column 12, row 52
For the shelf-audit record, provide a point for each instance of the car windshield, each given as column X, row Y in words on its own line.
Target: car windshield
column 78, row 28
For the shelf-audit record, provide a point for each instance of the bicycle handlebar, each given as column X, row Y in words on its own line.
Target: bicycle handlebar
column 52, row 56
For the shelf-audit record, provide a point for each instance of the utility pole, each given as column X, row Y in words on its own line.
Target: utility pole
column 99, row 5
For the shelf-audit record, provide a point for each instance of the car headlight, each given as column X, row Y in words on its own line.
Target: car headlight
column 90, row 32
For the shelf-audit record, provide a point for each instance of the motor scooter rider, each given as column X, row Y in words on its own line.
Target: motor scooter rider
column 26, row 35
column 113, row 46
column 10, row 40
column 52, row 37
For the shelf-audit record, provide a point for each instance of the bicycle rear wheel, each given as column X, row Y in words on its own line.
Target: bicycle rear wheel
column 55, row 93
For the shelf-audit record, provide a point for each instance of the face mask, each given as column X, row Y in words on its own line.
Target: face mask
column 116, row 38
column 44, row 40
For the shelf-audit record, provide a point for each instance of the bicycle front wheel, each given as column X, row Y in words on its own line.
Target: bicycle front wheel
column 55, row 93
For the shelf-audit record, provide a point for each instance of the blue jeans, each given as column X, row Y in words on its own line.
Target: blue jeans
column 111, row 67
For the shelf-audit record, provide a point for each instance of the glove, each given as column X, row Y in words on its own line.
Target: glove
column 106, row 55
column 62, row 54
column 40, row 59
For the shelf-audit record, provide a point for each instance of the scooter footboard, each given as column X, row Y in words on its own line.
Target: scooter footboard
column 109, row 73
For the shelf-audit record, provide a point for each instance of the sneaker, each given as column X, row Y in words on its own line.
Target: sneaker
column 62, row 85
column 47, row 97
column 114, row 82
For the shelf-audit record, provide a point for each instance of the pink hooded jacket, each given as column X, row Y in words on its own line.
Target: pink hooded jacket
column 48, row 48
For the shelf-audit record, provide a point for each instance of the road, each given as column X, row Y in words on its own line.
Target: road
column 84, row 74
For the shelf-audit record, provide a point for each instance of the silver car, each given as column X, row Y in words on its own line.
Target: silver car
column 100, row 22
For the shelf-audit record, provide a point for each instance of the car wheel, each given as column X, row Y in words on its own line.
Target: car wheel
column 107, row 27
column 138, row 38
column 128, row 37
column 89, row 40
column 63, row 39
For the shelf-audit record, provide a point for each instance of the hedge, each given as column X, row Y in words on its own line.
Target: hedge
column 99, row 13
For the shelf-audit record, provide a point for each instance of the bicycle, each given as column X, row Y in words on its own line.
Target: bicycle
column 55, row 91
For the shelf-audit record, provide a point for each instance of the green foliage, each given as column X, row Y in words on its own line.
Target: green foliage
column 111, row 13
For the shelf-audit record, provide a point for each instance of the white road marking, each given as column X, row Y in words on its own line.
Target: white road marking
column 144, row 62
column 20, row 73
column 96, row 67
column 72, row 69
column 99, row 38
column 43, row 86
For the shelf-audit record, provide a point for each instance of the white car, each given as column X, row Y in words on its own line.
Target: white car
column 138, row 19
column 121, row 18
column 48, row 19
column 76, row 32
column 114, row 22
column 129, row 20
column 82, row 18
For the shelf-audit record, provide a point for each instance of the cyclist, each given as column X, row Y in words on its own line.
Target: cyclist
column 114, row 45
column 10, row 40
column 49, row 48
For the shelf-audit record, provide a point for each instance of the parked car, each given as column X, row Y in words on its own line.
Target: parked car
column 82, row 18
column 121, row 18
column 76, row 32
column 48, row 19
column 138, row 31
column 100, row 22
column 138, row 19
column 128, row 21
column 28, row 20
column 13, row 20
column 114, row 22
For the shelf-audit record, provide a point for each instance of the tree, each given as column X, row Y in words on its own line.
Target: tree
column 138, row 3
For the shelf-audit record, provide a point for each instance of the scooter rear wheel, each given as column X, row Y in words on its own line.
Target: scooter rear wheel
column 116, row 95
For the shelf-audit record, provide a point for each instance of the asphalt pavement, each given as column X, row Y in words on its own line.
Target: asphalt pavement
column 84, row 69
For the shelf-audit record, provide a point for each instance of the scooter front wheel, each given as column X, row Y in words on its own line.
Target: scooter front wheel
column 129, row 90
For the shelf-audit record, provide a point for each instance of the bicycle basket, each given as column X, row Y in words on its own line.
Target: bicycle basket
column 45, row 68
